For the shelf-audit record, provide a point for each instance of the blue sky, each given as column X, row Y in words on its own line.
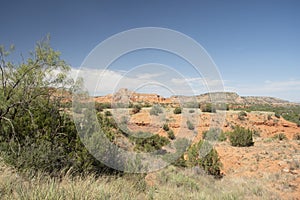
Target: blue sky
column 255, row 44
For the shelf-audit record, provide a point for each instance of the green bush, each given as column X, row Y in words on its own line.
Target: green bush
column 277, row 114
column 242, row 115
column 171, row 134
column 214, row 134
column 156, row 110
column 203, row 154
column 208, row 108
column 241, row 137
column 166, row 127
column 177, row 110
column 191, row 111
column 108, row 113
column 136, row 108
column 280, row 136
column 190, row 125
column 148, row 142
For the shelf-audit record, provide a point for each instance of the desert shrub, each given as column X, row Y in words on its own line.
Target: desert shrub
column 241, row 137
column 148, row 142
column 101, row 106
column 191, row 111
column 296, row 136
column 280, row 136
column 277, row 114
column 191, row 105
column 146, row 104
column 203, row 154
column 214, row 134
column 177, row 110
column 108, row 113
column 242, row 115
column 136, row 108
column 171, row 134
column 190, row 125
column 222, row 106
column 166, row 127
column 156, row 110
column 208, row 108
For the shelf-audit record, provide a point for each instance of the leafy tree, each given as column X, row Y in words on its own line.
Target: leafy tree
column 36, row 135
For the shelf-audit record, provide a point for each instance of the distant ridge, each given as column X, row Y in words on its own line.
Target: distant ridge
column 125, row 95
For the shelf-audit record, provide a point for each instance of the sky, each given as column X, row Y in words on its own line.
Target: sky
column 255, row 45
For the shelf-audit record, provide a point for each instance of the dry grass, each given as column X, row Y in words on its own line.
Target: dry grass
column 170, row 183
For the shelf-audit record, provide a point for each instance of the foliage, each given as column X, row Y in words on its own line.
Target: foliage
column 222, row 106
column 242, row 115
column 191, row 105
column 191, row 111
column 177, row 110
column 190, row 125
column 35, row 134
column 277, row 115
column 241, row 137
column 108, row 113
column 202, row 154
column 208, row 108
column 148, row 142
column 171, row 134
column 166, row 127
column 136, row 108
column 289, row 112
column 156, row 110
column 280, row 136
column 101, row 106
column 214, row 134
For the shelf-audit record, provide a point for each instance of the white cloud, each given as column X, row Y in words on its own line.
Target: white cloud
column 102, row 82
column 289, row 89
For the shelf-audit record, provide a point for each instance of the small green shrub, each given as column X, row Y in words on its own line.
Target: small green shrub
column 166, row 127
column 203, row 154
column 108, row 113
column 280, row 136
column 171, row 134
column 149, row 142
column 242, row 115
column 136, row 108
column 177, row 110
column 214, row 134
column 156, row 110
column 208, row 108
column 190, row 125
column 241, row 137
column 191, row 111
column 277, row 114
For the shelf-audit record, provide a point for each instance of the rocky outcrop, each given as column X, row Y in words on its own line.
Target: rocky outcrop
column 126, row 96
